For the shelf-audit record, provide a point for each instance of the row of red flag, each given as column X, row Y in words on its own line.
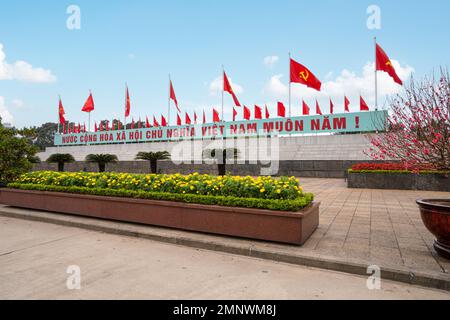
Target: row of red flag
column 298, row 74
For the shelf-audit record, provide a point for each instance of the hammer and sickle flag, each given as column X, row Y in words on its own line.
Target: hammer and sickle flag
column 301, row 74
column 384, row 64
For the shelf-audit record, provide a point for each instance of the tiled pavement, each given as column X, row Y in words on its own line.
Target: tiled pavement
column 380, row 227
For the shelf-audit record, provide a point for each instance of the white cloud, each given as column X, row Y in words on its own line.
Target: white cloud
column 271, row 60
column 23, row 71
column 347, row 82
column 216, row 86
column 4, row 113
column 18, row 103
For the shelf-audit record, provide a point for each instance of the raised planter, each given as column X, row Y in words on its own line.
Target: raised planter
column 277, row 226
column 435, row 215
column 400, row 181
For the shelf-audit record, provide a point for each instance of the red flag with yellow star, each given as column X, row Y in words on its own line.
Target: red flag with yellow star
column 384, row 64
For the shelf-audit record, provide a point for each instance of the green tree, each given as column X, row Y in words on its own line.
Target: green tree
column 16, row 154
column 102, row 160
column 61, row 159
column 153, row 158
column 221, row 156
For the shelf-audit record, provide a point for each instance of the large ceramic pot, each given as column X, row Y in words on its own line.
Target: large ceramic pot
column 436, row 217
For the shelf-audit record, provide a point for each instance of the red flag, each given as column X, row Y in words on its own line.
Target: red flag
column 216, row 117
column 179, row 123
column 79, row 128
column 187, row 119
column 140, row 123
column 195, row 117
column 173, row 96
column 234, row 114
column 84, row 127
column 258, row 112
column 346, row 104
column 318, row 111
column 267, row 113
column 301, row 74
column 363, row 105
column 281, row 110
column 61, row 112
column 101, row 126
column 155, row 122
column 246, row 113
column 163, row 121
column 147, row 123
column 127, row 104
column 227, row 88
column 331, row 107
column 384, row 64
column 89, row 104
column 132, row 124
column 64, row 128
column 119, row 125
column 204, row 116
column 305, row 109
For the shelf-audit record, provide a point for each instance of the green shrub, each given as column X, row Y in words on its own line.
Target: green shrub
column 229, row 201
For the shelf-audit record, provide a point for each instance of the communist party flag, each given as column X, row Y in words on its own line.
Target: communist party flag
column 155, row 122
column 173, row 96
column 89, row 104
column 305, row 109
column 246, row 113
column 127, row 104
column 331, row 107
column 346, row 104
column 187, row 118
column 362, row 104
column 204, row 116
column 227, row 88
column 216, row 117
column 267, row 113
column 234, row 114
column 258, row 112
column 383, row 63
column 301, row 74
column 281, row 110
column 179, row 123
column 163, row 121
column 61, row 112
column 147, row 123
column 318, row 111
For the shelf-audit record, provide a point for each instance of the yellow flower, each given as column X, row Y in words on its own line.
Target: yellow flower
column 262, row 190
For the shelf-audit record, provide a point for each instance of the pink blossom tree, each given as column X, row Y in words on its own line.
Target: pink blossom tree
column 417, row 131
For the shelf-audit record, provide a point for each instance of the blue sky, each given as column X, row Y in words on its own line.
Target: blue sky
column 141, row 42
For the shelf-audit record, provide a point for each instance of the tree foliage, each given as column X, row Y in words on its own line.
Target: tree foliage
column 16, row 154
column 102, row 160
column 418, row 127
column 153, row 158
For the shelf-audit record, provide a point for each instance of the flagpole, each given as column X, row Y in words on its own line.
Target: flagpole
column 223, row 77
column 376, row 75
column 168, row 104
column 289, row 77
column 59, row 112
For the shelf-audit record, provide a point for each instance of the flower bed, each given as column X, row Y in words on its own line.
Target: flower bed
column 256, row 208
column 282, row 194
column 387, row 167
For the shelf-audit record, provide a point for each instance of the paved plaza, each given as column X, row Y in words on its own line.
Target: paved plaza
column 358, row 227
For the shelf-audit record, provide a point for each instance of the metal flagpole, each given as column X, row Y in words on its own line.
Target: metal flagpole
column 168, row 104
column 376, row 77
column 223, row 88
column 289, row 77
column 59, row 111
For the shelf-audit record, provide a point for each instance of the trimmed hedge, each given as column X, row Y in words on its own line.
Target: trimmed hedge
column 228, row 201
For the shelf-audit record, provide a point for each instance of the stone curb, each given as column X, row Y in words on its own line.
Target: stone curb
column 193, row 240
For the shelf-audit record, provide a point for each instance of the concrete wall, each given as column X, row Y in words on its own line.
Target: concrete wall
column 335, row 147
column 312, row 156
column 300, row 168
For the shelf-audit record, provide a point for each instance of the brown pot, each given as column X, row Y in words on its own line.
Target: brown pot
column 436, row 217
